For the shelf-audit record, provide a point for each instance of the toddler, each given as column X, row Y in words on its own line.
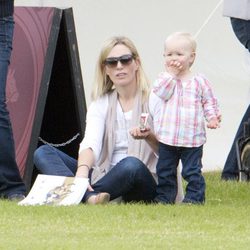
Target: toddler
column 187, row 100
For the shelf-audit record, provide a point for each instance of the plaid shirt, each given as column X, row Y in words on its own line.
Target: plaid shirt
column 186, row 104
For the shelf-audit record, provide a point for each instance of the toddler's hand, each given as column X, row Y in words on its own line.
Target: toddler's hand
column 214, row 123
column 174, row 68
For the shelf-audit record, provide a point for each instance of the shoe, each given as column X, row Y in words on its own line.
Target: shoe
column 101, row 198
column 15, row 197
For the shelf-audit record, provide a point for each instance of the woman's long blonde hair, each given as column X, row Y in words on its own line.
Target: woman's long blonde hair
column 102, row 82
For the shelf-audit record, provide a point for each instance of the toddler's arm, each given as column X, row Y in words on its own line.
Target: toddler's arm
column 210, row 104
column 164, row 86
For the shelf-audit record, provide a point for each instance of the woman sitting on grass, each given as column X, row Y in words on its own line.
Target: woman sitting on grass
column 117, row 157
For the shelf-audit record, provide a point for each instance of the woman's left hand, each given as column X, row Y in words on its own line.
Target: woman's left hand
column 139, row 134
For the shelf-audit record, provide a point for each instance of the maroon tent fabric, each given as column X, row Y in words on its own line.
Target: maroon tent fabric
column 31, row 36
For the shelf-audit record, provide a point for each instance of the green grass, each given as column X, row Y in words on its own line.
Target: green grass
column 222, row 223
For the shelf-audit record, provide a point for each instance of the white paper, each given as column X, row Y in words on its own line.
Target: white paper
column 56, row 190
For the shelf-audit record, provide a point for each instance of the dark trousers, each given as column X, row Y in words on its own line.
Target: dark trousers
column 169, row 157
column 230, row 171
column 231, row 168
column 241, row 29
column 10, row 180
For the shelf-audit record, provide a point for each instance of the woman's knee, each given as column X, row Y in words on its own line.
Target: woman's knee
column 40, row 154
column 132, row 164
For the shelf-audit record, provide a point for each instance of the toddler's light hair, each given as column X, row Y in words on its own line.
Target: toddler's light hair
column 185, row 35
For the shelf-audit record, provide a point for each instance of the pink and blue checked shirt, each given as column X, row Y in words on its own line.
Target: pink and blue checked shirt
column 186, row 104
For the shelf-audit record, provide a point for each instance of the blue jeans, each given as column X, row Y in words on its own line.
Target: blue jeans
column 169, row 157
column 130, row 178
column 10, row 180
column 241, row 29
column 231, row 168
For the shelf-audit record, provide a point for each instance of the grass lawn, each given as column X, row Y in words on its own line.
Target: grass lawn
column 222, row 223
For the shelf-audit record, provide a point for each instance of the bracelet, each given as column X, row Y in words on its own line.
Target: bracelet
column 81, row 165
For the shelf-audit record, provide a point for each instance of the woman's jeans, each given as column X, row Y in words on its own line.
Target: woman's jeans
column 10, row 180
column 130, row 178
column 169, row 157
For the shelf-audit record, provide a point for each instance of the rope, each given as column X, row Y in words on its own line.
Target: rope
column 208, row 19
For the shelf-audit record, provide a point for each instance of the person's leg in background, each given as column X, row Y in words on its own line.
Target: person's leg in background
column 241, row 29
column 11, row 184
column 230, row 171
column 231, row 168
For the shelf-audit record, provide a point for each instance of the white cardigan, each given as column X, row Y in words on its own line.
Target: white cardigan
column 96, row 117
column 237, row 8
